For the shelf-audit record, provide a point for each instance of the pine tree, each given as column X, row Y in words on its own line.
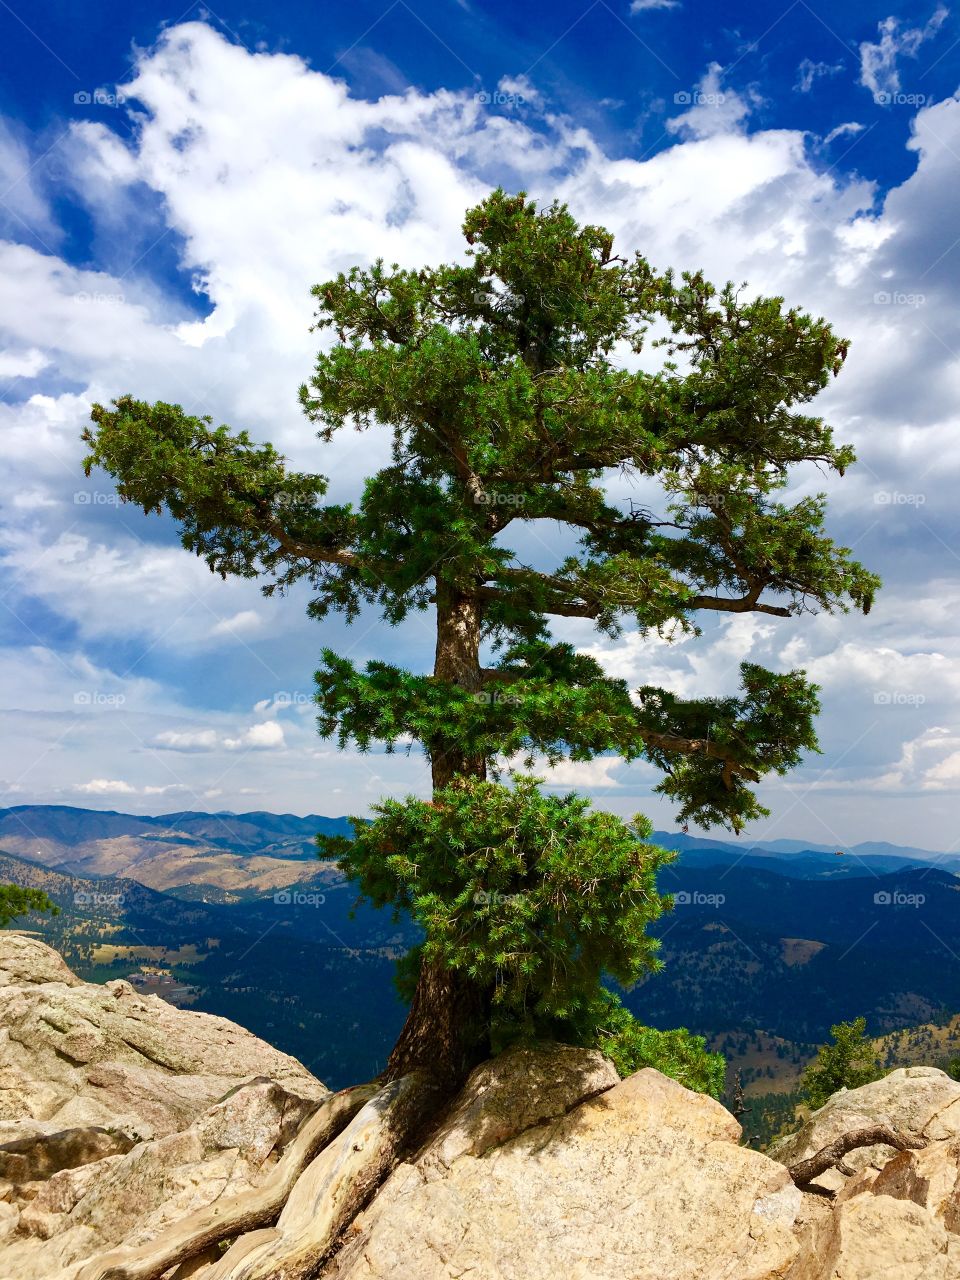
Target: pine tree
column 16, row 901
column 846, row 1064
column 508, row 385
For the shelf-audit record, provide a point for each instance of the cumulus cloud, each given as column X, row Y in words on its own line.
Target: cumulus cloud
column 266, row 736
column 217, row 133
column 117, row 787
column 584, row 774
column 240, row 623
column 713, row 110
column 104, row 787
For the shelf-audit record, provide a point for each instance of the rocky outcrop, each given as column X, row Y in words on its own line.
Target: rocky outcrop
column 120, row 1114
column 143, row 1142
column 76, row 1055
column 888, row 1213
column 642, row 1180
column 919, row 1102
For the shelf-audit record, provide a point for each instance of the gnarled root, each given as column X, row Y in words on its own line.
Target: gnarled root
column 237, row 1214
column 334, row 1188
column 831, row 1156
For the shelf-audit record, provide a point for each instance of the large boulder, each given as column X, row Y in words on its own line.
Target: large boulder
column 888, row 1213
column 642, row 1179
column 79, row 1055
column 918, row 1102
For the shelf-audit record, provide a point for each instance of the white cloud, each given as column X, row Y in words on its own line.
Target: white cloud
column 521, row 90
column 218, row 133
column 187, row 740
column 645, row 6
column 808, row 72
column 22, row 364
column 878, row 62
column 104, row 787
column 266, row 736
column 713, row 109
column 117, row 787
column 584, row 774
column 24, row 211
column 241, row 623
column 850, row 129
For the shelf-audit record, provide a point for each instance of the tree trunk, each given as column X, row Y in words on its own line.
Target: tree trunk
column 457, row 662
column 447, row 1029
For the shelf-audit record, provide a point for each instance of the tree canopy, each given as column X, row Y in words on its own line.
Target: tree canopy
column 847, row 1063
column 512, row 386
column 16, row 901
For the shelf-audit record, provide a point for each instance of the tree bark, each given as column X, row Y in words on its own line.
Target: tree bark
column 830, row 1156
column 237, row 1214
column 333, row 1189
column 447, row 1029
column 457, row 661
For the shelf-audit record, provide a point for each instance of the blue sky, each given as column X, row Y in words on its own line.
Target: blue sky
column 172, row 183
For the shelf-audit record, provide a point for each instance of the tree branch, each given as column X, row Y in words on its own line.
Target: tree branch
column 744, row 604
column 559, row 609
column 828, row 1157
column 307, row 551
column 703, row 747
column 573, row 608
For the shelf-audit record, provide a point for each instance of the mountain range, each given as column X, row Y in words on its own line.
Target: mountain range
column 764, row 948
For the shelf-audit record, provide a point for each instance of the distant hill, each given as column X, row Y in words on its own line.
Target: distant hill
column 307, row 973
column 226, row 857
column 69, row 825
column 237, row 855
column 764, row 950
column 801, row 860
column 747, row 948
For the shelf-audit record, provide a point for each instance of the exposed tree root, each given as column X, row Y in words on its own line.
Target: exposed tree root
column 237, row 1214
column 333, row 1189
column 831, row 1156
